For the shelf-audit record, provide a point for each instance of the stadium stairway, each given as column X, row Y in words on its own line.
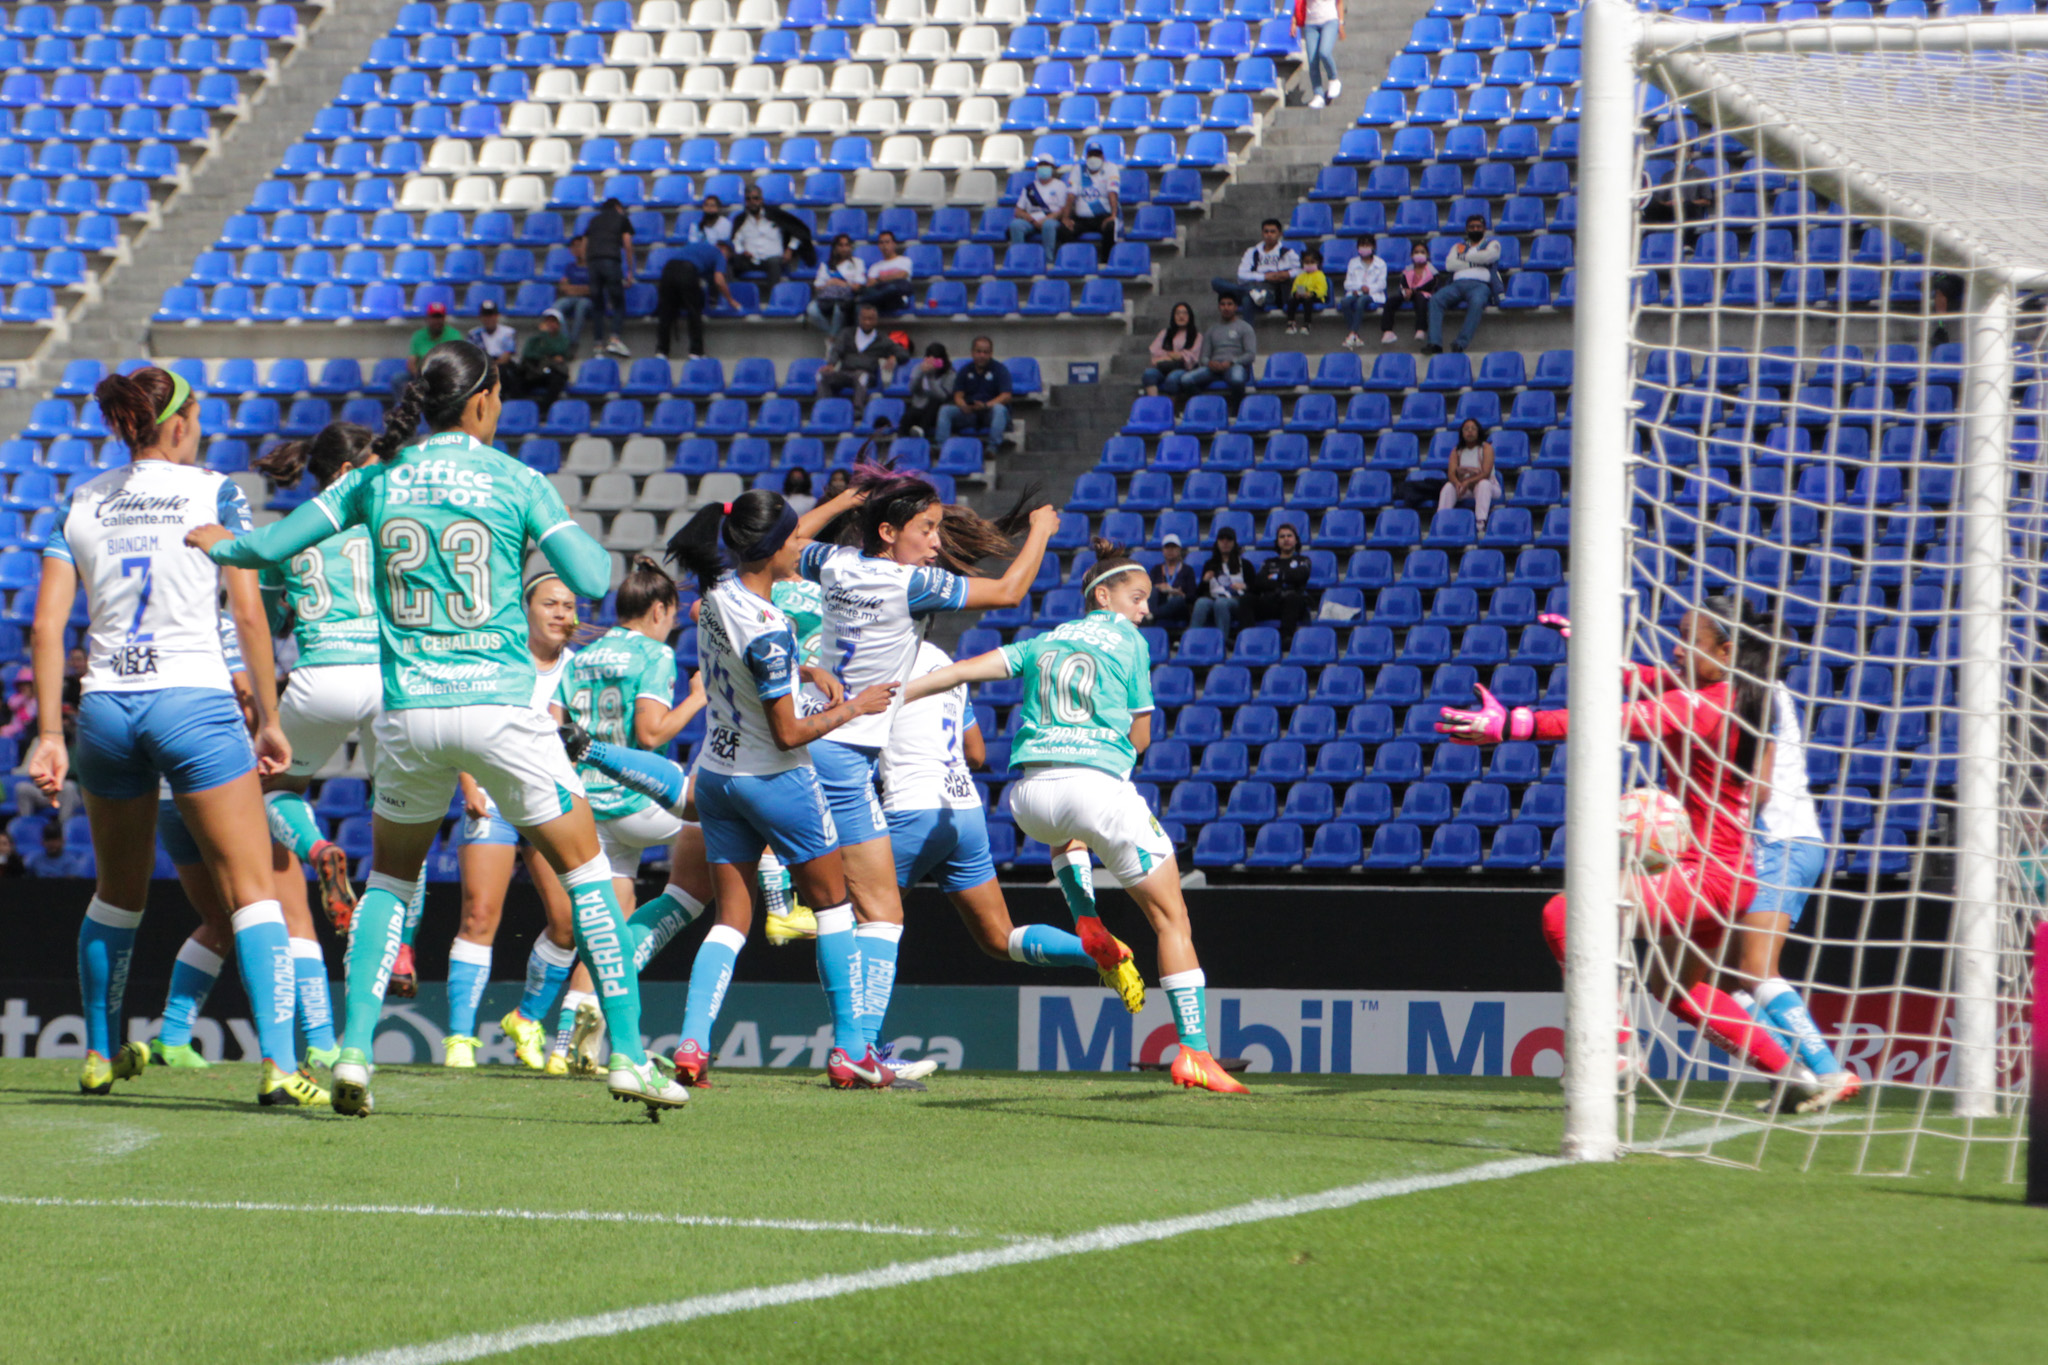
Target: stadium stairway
column 117, row 326
column 1297, row 142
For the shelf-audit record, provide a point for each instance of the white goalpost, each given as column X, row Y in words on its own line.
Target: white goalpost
column 1809, row 379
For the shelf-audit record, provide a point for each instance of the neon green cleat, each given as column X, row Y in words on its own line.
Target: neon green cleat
column 459, row 1052
column 557, row 1064
column 583, row 1041
column 322, row 1056
column 529, row 1039
column 798, row 923
column 131, row 1061
column 96, row 1077
column 177, row 1054
column 290, row 1089
column 352, row 1084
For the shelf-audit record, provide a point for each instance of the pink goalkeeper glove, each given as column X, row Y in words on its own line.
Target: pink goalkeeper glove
column 1490, row 724
column 1562, row 624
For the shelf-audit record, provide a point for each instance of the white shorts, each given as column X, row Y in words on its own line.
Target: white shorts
column 513, row 752
column 623, row 839
column 1055, row 805
column 323, row 705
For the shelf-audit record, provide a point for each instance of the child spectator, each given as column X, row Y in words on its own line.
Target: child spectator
column 1311, row 290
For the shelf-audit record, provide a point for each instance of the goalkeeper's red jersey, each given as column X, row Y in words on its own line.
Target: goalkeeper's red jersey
column 1698, row 738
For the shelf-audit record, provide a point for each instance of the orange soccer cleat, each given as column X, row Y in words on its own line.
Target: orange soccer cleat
column 1199, row 1071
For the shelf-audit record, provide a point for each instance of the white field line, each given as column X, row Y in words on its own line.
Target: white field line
column 682, row 1220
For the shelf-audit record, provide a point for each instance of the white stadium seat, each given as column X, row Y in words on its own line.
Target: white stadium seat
column 588, row 455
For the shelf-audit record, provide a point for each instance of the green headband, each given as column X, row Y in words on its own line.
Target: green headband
column 180, row 391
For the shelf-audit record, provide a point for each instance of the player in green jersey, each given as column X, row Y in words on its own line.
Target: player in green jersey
column 1087, row 715
column 449, row 520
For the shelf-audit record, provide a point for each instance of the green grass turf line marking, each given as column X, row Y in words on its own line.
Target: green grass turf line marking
column 475, row 1346
column 684, row 1220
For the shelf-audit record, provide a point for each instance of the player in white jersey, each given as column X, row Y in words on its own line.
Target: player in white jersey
column 1786, row 847
column 913, row 561
column 1087, row 713
column 158, row 704
column 939, row 829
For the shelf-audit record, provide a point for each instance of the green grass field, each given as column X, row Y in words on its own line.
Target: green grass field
column 399, row 1233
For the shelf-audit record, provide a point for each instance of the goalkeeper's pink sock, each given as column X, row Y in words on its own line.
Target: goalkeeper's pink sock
column 1715, row 1013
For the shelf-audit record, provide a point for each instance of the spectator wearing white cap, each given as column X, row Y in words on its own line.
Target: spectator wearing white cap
column 1173, row 587
column 1042, row 207
column 1093, row 201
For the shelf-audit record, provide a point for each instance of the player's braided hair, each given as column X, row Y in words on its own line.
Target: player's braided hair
column 339, row 447
column 450, row 375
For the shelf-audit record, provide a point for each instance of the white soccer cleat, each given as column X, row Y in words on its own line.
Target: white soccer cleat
column 645, row 1084
column 1830, row 1090
column 913, row 1071
column 349, row 1087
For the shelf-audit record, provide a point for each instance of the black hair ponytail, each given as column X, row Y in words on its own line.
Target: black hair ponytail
column 703, row 546
column 450, row 375
column 339, row 447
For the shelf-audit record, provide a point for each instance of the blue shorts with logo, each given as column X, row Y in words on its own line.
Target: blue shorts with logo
column 192, row 737
column 743, row 815
column 847, row 773
column 176, row 839
column 1786, row 870
column 948, row 845
column 492, row 829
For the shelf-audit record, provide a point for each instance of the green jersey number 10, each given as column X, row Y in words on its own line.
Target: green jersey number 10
column 1066, row 687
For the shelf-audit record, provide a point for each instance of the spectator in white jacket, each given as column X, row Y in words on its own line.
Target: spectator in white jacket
column 1264, row 272
column 1365, row 290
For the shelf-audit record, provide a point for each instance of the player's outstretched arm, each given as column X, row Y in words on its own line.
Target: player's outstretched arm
column 793, row 731
column 825, row 513
column 1015, row 583
column 981, row 668
column 575, row 554
column 306, row 527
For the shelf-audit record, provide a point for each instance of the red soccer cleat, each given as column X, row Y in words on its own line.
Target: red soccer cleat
column 693, row 1066
column 405, row 979
column 869, row 1073
column 1199, row 1071
column 337, row 897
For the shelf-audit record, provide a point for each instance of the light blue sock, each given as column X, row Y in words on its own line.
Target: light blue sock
column 639, row 770
column 469, row 971
column 316, row 1014
column 1041, row 945
column 263, row 953
column 1782, row 1006
column 1756, row 1012
column 839, row 971
column 415, row 909
column 106, row 940
column 192, row 978
column 547, row 975
column 877, row 945
column 709, row 977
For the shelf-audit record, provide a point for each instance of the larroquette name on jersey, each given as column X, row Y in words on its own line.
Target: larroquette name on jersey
column 429, row 483
column 142, row 509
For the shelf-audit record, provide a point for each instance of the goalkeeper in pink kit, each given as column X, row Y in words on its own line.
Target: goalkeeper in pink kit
column 1711, row 720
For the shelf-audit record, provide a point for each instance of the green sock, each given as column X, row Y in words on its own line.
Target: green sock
column 416, row 907
column 292, row 823
column 1184, row 992
column 660, row 920
column 372, row 948
column 605, row 942
column 1076, row 873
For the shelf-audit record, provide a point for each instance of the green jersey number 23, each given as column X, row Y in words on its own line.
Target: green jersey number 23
column 468, row 546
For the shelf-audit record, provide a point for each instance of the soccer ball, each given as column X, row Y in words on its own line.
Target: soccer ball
column 1654, row 830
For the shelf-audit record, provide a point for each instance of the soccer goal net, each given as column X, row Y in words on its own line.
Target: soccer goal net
column 1809, row 407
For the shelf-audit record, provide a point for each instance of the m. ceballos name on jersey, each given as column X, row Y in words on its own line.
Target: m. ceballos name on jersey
column 142, row 509
column 433, row 483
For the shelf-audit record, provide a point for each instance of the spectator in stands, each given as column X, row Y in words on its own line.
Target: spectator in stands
column 1042, row 206
column 492, row 335
column 435, row 330
column 1176, row 348
column 763, row 239
column 835, row 483
column 796, row 490
column 711, row 226
column 542, row 370
column 840, row 279
column 1278, row 590
column 1223, row 583
column 10, row 858
column 681, row 294
column 1263, row 272
column 1093, row 201
column 861, row 358
column 1173, row 587
column 54, row 859
column 981, row 398
column 608, row 253
column 1310, row 291
column 1321, row 26
column 888, row 286
column 931, row 391
column 21, row 705
column 1411, row 288
column 1225, row 357
column 1365, row 291
column 1475, row 282
column 1944, row 299
column 572, row 295
column 1472, row 478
